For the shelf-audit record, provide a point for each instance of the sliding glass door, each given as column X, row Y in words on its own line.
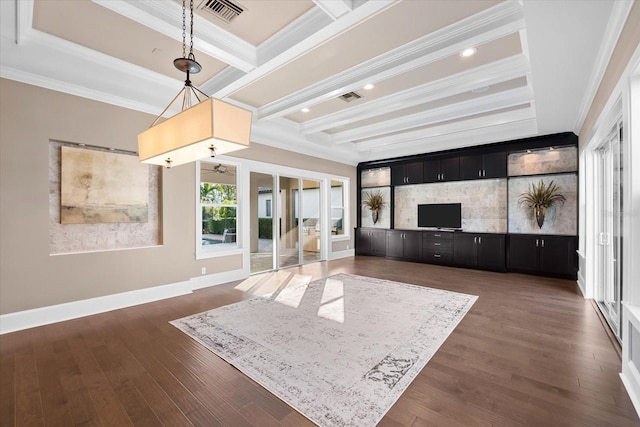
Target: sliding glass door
column 609, row 290
column 289, row 221
column 262, row 224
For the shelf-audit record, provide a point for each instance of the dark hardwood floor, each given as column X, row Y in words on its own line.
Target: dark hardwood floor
column 531, row 351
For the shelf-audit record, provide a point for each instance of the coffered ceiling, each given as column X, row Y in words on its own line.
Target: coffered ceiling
column 535, row 69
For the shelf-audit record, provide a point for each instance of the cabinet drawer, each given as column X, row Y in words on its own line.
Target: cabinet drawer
column 437, row 257
column 437, row 235
column 437, row 245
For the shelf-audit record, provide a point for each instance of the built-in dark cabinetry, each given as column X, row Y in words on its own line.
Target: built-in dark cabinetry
column 370, row 241
column 492, row 165
column 437, row 247
column 543, row 254
column 404, row 244
column 409, row 173
column 479, row 250
column 441, row 168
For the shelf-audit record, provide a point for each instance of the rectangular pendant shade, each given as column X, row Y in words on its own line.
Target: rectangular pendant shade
column 187, row 136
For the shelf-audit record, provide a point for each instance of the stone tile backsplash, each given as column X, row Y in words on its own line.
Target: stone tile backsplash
column 484, row 203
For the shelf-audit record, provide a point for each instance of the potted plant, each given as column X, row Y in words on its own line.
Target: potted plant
column 540, row 197
column 375, row 202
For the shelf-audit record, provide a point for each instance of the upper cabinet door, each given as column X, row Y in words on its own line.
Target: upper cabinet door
column 450, row 169
column 442, row 169
column 431, row 170
column 410, row 173
column 481, row 166
column 471, row 167
column 494, row 165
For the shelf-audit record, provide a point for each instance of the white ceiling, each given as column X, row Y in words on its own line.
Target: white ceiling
column 535, row 72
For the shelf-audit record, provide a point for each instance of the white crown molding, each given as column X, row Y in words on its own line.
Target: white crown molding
column 485, row 75
column 455, row 111
column 446, row 129
column 305, row 26
column 327, row 33
column 615, row 26
column 24, row 18
column 165, row 17
column 283, row 134
column 334, row 8
column 464, row 138
column 486, row 26
column 221, row 80
column 48, row 61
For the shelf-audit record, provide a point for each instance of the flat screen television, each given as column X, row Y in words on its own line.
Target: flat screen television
column 440, row 215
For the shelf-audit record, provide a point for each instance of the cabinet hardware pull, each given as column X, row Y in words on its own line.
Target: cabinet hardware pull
column 442, row 176
column 436, row 235
column 437, row 255
column 537, row 243
column 436, row 244
column 480, row 239
column 479, row 172
column 475, row 240
column 543, row 243
column 484, row 172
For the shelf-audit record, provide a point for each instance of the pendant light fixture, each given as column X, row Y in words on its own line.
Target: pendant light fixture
column 206, row 129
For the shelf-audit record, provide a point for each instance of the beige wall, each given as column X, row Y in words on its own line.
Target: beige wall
column 627, row 43
column 29, row 276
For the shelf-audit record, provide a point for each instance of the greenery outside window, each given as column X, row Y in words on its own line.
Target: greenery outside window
column 218, row 206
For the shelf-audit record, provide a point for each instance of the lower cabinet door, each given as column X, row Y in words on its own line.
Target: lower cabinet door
column 491, row 253
column 465, row 249
column 558, row 255
column 395, row 244
column 378, row 242
column 523, row 253
column 412, row 245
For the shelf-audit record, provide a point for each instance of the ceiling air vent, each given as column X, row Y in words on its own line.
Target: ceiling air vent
column 223, row 9
column 350, row 96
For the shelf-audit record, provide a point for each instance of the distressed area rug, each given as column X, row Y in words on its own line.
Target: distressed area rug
column 340, row 350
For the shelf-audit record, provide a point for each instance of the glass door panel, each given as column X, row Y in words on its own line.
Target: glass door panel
column 610, row 223
column 311, row 221
column 288, row 218
column 262, row 224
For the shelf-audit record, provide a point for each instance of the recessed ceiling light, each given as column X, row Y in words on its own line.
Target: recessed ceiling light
column 305, row 110
column 468, row 52
column 369, row 86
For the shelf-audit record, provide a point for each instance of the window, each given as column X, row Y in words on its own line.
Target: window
column 218, row 206
column 337, row 208
column 268, row 208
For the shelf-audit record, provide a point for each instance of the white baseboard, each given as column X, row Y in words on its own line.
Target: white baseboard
column 342, row 254
column 20, row 320
column 217, row 279
column 631, row 391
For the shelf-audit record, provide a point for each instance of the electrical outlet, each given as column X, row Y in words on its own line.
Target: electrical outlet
column 204, row 270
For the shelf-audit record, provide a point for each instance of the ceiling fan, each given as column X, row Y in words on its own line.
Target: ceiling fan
column 222, row 169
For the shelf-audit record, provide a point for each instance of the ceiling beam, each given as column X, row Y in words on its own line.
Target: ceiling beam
column 334, row 8
column 480, row 105
column 165, row 17
column 486, row 75
column 491, row 24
